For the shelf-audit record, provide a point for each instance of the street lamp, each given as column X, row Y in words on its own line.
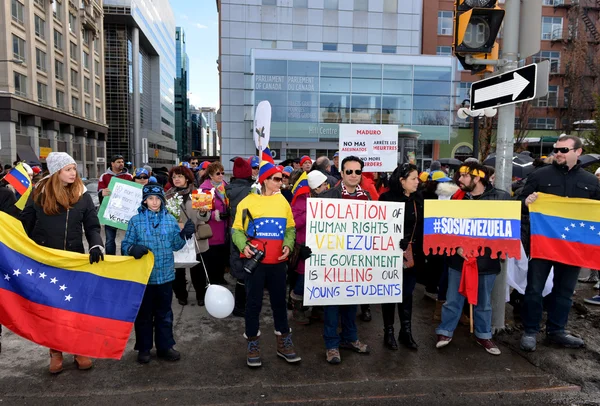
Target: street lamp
column 465, row 112
column 17, row 61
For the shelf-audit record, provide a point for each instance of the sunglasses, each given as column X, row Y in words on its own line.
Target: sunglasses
column 350, row 171
column 143, row 177
column 277, row 179
column 285, row 177
column 563, row 150
column 218, row 173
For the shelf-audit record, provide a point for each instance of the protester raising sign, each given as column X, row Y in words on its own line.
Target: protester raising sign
column 122, row 204
column 376, row 145
column 356, row 252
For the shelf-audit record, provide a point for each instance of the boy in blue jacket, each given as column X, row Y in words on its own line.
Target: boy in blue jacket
column 154, row 229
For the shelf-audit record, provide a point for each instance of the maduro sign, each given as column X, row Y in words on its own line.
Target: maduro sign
column 376, row 145
column 356, row 252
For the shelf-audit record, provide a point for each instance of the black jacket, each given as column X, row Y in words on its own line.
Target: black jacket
column 63, row 231
column 7, row 201
column 485, row 263
column 236, row 191
column 558, row 180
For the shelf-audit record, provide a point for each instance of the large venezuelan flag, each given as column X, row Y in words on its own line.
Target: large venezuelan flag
column 17, row 177
column 57, row 299
column 565, row 230
column 472, row 225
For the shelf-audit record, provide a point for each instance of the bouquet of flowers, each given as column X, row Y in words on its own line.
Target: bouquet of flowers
column 174, row 205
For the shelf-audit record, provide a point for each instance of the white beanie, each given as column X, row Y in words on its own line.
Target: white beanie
column 597, row 171
column 27, row 169
column 58, row 160
column 316, row 179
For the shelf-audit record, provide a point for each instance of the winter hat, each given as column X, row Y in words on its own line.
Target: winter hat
column 435, row 166
column 337, row 153
column 28, row 169
column 288, row 170
column 36, row 170
column 241, row 169
column 204, row 165
column 152, row 179
column 424, row 176
column 597, row 172
column 254, row 162
column 440, row 176
column 186, row 164
column 316, row 179
column 141, row 171
column 304, row 159
column 267, row 169
column 148, row 168
column 58, row 160
column 153, row 189
column 115, row 157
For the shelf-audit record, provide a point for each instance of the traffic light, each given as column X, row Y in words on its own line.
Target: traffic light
column 476, row 26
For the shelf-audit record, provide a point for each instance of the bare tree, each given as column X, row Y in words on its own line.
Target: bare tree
column 524, row 111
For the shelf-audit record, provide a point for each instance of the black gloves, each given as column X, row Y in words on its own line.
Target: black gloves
column 404, row 243
column 96, row 255
column 138, row 251
column 188, row 230
column 305, row 252
column 224, row 215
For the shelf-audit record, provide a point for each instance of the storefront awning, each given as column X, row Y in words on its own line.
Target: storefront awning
column 25, row 153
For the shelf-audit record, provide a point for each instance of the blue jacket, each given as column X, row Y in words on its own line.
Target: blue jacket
column 159, row 232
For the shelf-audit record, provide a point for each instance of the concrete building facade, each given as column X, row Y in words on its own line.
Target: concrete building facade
column 182, row 103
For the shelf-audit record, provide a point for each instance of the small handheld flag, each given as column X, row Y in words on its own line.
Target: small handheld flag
column 20, row 181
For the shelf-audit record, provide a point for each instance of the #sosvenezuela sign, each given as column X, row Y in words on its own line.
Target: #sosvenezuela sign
column 356, row 252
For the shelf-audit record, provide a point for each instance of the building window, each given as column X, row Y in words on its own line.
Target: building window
column 361, row 5
column 98, row 114
column 58, row 40
column 97, row 67
column 359, row 48
column 74, row 79
column 20, row 84
column 390, row 6
column 86, row 60
column 331, row 4
column 18, row 48
column 298, row 45
column 40, row 3
column 445, row 22
column 74, row 104
column 42, row 91
column 551, row 99
column 443, row 51
column 388, row 49
column 86, row 84
column 17, row 11
column 87, row 110
column 60, row 99
column 97, row 45
column 329, row 47
column 552, row 28
column 57, row 10
column 73, row 51
column 542, row 123
column 40, row 60
column 59, row 68
column 566, row 93
column 72, row 22
column 552, row 56
column 463, row 92
column 463, row 152
column 86, row 37
column 300, row 3
column 269, row 44
column 269, row 2
column 40, row 27
column 97, row 91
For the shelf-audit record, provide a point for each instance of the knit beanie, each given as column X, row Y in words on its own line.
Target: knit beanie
column 288, row 170
column 141, row 171
column 597, row 172
column 316, row 179
column 304, row 159
column 58, row 160
column 153, row 189
column 204, row 165
column 267, row 169
column 241, row 169
column 254, row 162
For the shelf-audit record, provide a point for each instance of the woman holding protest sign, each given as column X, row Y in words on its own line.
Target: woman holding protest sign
column 59, row 209
column 182, row 180
column 404, row 183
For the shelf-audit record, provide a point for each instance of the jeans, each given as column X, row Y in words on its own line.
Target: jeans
column 388, row 310
column 558, row 301
column 111, row 236
column 155, row 316
column 349, row 329
column 299, row 285
column 273, row 277
column 482, row 312
column 443, row 285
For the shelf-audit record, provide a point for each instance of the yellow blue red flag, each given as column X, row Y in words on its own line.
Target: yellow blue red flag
column 300, row 187
column 565, row 230
column 472, row 225
column 18, row 178
column 57, row 299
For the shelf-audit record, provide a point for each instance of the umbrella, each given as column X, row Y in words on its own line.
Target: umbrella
column 234, row 158
column 451, row 162
column 589, row 159
column 522, row 164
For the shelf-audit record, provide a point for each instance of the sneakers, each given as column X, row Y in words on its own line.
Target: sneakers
column 143, row 357
column 488, row 345
column 285, row 347
column 83, row 363
column 333, row 356
column 56, row 362
column 169, row 355
column 593, row 278
column 593, row 301
column 253, row 353
column 442, row 341
column 528, row 343
column 565, row 340
column 356, row 346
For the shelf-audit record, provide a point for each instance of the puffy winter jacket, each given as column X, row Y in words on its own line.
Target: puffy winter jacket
column 104, row 180
column 558, row 180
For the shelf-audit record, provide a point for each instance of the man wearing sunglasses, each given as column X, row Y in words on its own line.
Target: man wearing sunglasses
column 564, row 178
column 348, row 188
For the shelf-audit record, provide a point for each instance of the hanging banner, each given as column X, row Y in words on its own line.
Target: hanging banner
column 376, row 145
column 122, row 204
column 356, row 252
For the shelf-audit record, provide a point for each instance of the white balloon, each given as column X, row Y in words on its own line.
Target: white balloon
column 219, row 301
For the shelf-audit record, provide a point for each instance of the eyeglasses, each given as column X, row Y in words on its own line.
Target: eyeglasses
column 277, row 179
column 194, row 163
column 563, row 150
column 350, row 171
column 285, row 177
column 218, row 173
column 255, row 167
column 143, row 177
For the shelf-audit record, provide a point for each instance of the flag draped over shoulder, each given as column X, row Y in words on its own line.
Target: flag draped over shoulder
column 57, row 299
column 565, row 230
column 300, row 187
column 17, row 177
column 472, row 225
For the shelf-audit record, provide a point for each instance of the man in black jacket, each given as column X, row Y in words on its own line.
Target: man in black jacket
column 474, row 185
column 564, row 178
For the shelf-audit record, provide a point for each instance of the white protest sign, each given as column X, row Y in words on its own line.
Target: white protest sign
column 356, row 252
column 376, row 145
column 262, row 125
column 122, row 203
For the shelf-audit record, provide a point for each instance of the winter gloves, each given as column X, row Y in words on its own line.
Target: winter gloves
column 188, row 230
column 305, row 252
column 96, row 255
column 138, row 251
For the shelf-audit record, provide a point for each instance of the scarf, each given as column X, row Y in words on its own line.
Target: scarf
column 220, row 190
column 183, row 192
column 360, row 193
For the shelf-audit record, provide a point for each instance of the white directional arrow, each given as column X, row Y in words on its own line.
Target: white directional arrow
column 513, row 87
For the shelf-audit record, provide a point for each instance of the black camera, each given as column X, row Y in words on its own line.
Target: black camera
column 253, row 262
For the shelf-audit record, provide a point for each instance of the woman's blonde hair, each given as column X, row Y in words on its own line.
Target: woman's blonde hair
column 52, row 195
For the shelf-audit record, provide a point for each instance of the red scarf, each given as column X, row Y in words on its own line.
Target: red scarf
column 360, row 193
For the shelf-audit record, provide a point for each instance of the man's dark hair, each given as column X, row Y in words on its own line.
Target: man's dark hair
column 353, row 158
column 577, row 143
column 7, row 167
column 477, row 167
column 187, row 158
column 116, row 157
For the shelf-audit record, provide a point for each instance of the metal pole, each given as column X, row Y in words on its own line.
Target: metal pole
column 505, row 147
column 476, row 137
column 135, row 61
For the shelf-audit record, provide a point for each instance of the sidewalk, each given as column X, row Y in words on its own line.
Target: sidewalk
column 212, row 370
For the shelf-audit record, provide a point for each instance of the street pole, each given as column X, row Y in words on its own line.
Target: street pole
column 476, row 137
column 505, row 146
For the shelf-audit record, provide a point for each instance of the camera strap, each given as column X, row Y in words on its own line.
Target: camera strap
column 247, row 216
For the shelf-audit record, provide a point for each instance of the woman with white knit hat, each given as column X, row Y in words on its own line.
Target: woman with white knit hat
column 57, row 211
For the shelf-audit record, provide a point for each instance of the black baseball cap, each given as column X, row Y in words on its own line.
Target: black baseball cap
column 116, row 157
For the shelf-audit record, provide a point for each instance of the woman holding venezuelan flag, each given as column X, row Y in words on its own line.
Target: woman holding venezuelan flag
column 55, row 215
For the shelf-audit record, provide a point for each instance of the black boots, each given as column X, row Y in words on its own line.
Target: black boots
column 405, row 336
column 365, row 314
column 239, row 309
column 388, row 338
